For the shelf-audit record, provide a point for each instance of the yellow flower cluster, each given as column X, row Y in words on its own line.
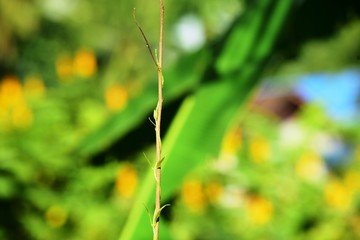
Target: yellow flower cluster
column 193, row 195
column 197, row 195
column 14, row 109
column 83, row 64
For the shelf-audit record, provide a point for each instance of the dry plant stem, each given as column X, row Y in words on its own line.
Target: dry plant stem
column 158, row 124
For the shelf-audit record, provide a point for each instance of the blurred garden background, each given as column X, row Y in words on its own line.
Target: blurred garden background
column 260, row 126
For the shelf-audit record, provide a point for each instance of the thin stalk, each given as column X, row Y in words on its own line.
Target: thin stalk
column 158, row 60
column 158, row 124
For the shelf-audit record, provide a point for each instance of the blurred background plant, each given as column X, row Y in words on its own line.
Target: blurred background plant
column 260, row 122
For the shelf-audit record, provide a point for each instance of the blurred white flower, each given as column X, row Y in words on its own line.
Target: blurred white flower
column 292, row 134
column 189, row 33
column 233, row 197
column 58, row 9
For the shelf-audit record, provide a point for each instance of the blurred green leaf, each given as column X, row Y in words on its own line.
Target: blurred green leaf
column 242, row 40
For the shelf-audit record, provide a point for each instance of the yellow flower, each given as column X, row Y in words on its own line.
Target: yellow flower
column 11, row 92
column 116, row 97
column 85, row 63
column 193, row 195
column 34, row 86
column 337, row 195
column 260, row 149
column 232, row 142
column 126, row 181
column 14, row 111
column 259, row 210
column 56, row 216
column 64, row 67
column 310, row 167
column 214, row 191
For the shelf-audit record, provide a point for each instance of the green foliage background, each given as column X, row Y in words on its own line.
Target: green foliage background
column 72, row 167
